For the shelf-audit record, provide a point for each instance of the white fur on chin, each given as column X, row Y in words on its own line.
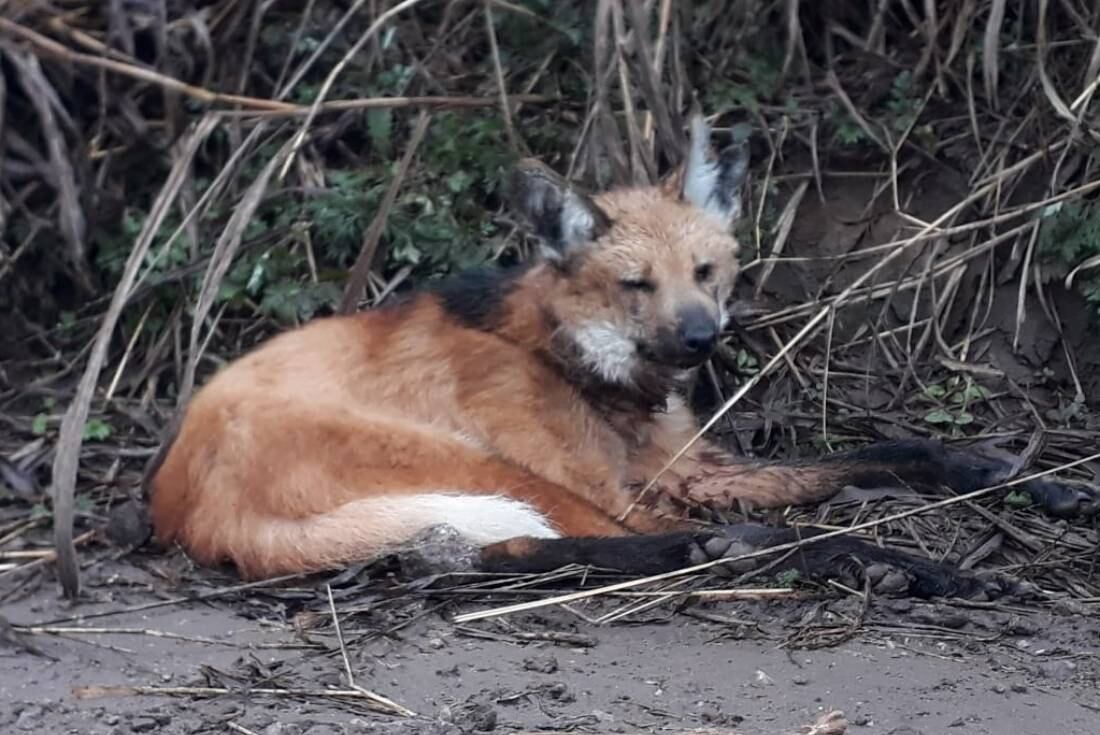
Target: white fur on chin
column 606, row 351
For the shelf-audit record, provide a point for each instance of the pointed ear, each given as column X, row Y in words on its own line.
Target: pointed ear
column 714, row 184
column 562, row 217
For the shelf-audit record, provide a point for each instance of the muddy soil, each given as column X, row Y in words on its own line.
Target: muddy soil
column 760, row 667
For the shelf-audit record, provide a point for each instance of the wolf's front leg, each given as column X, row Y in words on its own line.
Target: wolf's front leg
column 718, row 480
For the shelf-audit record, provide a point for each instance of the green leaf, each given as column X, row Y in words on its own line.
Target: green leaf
column 459, row 181
column 935, row 391
column 380, row 130
column 973, row 392
column 84, row 504
column 40, row 424
column 939, row 416
column 96, row 430
column 788, row 578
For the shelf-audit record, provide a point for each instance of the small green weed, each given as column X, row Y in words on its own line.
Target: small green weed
column 897, row 112
column 953, row 399
column 1070, row 235
column 97, row 430
column 788, row 578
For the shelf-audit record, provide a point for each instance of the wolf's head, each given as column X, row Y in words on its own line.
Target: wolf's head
column 645, row 273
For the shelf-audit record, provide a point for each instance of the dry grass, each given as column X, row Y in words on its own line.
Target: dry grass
column 908, row 162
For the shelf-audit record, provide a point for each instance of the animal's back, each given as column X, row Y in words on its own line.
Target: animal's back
column 331, row 441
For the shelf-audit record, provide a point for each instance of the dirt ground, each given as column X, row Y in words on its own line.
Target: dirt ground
column 754, row 667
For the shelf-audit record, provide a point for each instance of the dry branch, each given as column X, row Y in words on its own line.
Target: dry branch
column 360, row 272
column 242, row 104
column 71, row 435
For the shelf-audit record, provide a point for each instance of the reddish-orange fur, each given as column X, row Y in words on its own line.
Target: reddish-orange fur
column 327, row 414
column 557, row 389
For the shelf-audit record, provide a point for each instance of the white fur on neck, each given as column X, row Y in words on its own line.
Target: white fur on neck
column 606, row 351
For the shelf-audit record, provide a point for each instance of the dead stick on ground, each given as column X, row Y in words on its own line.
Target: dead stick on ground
column 45, row 557
column 376, row 698
column 240, row 728
column 574, row 596
column 393, row 103
column 59, row 630
column 49, row 46
column 208, row 595
column 830, row 723
column 360, row 272
column 94, row 692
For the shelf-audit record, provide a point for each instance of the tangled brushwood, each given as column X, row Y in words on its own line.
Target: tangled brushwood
column 179, row 180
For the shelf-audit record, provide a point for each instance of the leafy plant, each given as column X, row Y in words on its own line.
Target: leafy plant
column 848, row 131
column 953, row 398
column 788, row 578
column 762, row 72
column 747, row 363
column 902, row 104
column 1017, row 499
column 40, row 424
column 97, row 430
column 1070, row 235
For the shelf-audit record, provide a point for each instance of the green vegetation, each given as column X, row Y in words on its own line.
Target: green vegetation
column 1070, row 235
column 296, row 252
column 953, row 399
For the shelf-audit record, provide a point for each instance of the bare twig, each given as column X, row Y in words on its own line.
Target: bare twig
column 360, row 272
column 71, row 435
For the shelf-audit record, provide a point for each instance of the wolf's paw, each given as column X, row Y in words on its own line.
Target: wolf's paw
column 851, row 562
column 985, row 465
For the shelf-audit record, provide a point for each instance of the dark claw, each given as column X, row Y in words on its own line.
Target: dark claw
column 1062, row 500
column 968, row 470
column 887, row 580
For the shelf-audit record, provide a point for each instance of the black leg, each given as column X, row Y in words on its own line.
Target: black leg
column 849, row 560
column 931, row 463
column 641, row 555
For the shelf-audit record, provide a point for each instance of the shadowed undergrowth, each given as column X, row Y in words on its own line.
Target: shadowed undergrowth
column 180, row 180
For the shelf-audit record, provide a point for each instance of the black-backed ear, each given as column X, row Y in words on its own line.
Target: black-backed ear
column 563, row 218
column 713, row 184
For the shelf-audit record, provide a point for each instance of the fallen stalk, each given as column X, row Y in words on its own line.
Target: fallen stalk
column 95, row 692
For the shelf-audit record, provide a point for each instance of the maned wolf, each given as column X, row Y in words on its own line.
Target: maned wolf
column 524, row 409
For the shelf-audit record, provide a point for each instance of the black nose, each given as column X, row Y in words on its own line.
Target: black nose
column 698, row 332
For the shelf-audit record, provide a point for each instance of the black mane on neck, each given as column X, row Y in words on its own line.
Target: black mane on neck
column 475, row 297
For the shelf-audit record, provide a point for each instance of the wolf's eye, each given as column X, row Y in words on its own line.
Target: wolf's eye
column 703, row 272
column 638, row 284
